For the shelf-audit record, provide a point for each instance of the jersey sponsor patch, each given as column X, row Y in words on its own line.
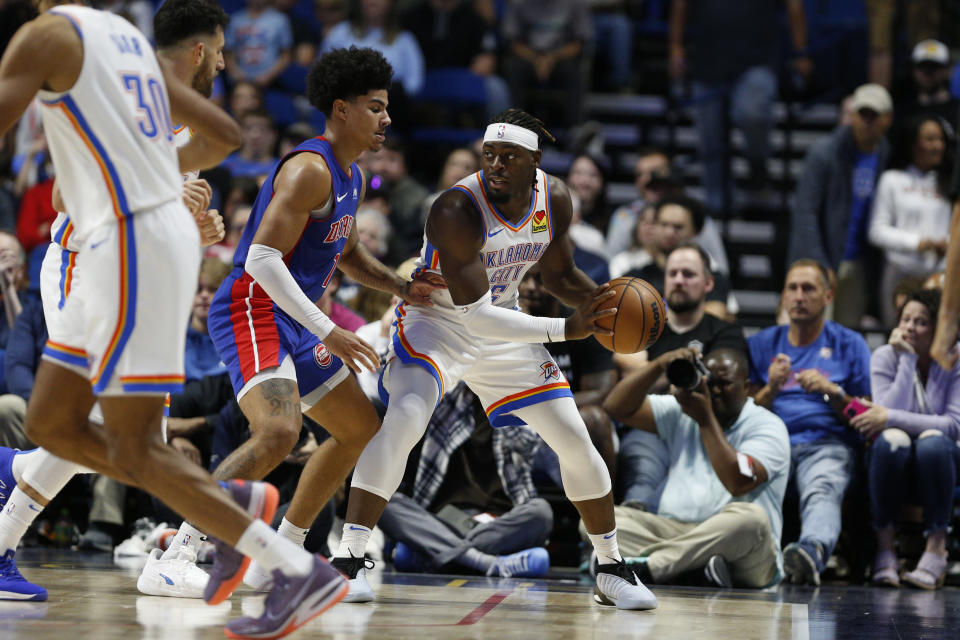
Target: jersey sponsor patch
column 540, row 221
column 550, row 370
column 322, row 355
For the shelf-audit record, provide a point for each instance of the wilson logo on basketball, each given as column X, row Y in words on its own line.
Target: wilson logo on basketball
column 550, row 370
column 655, row 331
column 322, row 356
column 340, row 229
column 540, row 221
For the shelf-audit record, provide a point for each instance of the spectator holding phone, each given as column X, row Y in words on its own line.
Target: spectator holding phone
column 915, row 418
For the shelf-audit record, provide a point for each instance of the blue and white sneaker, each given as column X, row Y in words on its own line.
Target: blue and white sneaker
column 7, row 482
column 529, row 563
column 14, row 586
column 176, row 576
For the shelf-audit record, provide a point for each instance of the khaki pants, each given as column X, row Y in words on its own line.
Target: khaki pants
column 740, row 533
column 13, row 411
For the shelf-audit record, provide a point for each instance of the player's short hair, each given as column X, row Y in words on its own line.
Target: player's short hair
column 523, row 119
column 177, row 20
column 344, row 74
column 697, row 215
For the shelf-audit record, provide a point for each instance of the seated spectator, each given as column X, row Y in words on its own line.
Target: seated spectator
column 831, row 212
column 256, row 155
column 736, row 454
column 258, row 43
column 459, row 164
column 546, row 39
column 452, row 34
column 304, row 28
column 27, row 339
column 36, row 212
column 928, row 90
column 202, row 358
column 13, row 283
column 341, row 315
column 915, row 418
column 911, row 213
column 807, row 372
column 678, row 219
column 652, row 179
column 473, row 503
column 376, row 24
column 585, row 365
column 587, row 178
column 245, row 97
column 404, row 194
column 640, row 252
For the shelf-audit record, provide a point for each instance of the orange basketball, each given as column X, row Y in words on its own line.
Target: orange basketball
column 640, row 316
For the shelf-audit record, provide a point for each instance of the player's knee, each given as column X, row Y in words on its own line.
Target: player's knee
column 598, row 423
column 280, row 436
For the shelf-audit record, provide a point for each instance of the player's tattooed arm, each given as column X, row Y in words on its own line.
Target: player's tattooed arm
column 561, row 276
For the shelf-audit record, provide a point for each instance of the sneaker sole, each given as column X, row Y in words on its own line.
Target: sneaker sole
column 294, row 622
column 23, row 597
column 148, row 590
column 799, row 564
column 720, row 575
column 268, row 508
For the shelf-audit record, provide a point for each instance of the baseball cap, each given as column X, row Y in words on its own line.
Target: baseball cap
column 872, row 96
column 931, row 51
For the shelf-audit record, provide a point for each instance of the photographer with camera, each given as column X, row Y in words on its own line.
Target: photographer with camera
column 810, row 373
column 720, row 510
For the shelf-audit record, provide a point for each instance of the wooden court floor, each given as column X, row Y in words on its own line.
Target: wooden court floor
column 90, row 597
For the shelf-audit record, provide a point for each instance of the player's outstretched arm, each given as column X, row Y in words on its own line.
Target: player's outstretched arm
column 561, row 276
column 216, row 134
column 45, row 53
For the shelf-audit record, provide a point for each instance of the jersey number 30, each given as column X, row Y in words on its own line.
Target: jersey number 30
column 154, row 114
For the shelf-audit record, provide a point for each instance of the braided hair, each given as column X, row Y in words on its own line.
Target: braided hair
column 523, row 119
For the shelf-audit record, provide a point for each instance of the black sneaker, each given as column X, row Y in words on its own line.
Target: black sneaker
column 356, row 570
column 717, row 573
column 618, row 586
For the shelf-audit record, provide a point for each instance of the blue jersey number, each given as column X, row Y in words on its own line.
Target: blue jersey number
column 154, row 116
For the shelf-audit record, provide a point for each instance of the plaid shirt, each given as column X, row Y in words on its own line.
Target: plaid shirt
column 452, row 424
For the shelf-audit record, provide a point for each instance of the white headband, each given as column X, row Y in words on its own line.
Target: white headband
column 504, row 132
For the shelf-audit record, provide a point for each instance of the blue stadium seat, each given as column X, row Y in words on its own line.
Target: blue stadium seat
column 281, row 108
column 294, row 79
column 454, row 86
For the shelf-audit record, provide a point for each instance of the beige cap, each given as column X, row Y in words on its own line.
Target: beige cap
column 931, row 51
column 872, row 96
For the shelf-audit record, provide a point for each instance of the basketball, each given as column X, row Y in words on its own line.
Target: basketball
column 640, row 316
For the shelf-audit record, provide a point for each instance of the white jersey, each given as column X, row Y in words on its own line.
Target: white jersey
column 508, row 249
column 110, row 134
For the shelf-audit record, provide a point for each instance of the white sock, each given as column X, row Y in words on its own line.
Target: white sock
column 292, row 532
column 47, row 474
column 353, row 542
column 15, row 519
column 187, row 536
column 605, row 545
column 273, row 551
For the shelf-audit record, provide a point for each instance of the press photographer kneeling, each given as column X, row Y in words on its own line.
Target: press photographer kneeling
column 720, row 510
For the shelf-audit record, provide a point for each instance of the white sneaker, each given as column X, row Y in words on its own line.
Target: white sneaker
column 356, row 570
column 256, row 576
column 135, row 546
column 177, row 576
column 623, row 590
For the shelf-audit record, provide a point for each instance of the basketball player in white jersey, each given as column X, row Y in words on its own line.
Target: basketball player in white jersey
column 107, row 116
column 190, row 33
column 481, row 236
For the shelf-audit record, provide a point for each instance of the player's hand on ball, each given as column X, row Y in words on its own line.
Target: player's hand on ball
column 583, row 322
column 418, row 290
column 196, row 196
column 354, row 351
column 211, row 227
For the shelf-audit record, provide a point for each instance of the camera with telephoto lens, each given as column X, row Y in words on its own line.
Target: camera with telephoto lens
column 687, row 374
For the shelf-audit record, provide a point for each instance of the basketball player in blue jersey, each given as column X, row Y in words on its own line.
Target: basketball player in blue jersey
column 106, row 98
column 285, row 357
column 482, row 235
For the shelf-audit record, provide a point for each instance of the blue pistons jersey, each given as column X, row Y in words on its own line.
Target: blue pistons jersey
column 249, row 330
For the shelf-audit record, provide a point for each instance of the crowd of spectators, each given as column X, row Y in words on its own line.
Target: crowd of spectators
column 799, row 413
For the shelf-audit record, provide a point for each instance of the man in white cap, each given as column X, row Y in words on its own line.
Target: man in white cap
column 930, row 90
column 831, row 213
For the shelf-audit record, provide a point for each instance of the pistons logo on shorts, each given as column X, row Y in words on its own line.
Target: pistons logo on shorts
column 550, row 370
column 322, row 356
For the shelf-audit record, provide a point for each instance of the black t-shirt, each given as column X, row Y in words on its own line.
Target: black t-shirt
column 656, row 277
column 577, row 358
column 712, row 333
